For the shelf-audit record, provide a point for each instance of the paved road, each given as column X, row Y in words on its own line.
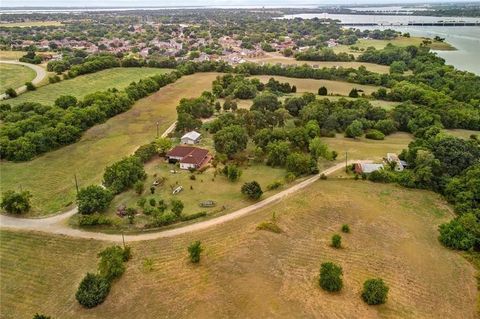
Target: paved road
column 59, row 224
column 41, row 74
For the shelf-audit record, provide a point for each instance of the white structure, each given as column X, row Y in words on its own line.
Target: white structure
column 367, row 168
column 393, row 158
column 192, row 137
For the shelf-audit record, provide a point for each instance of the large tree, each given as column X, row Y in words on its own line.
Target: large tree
column 93, row 199
column 230, row 140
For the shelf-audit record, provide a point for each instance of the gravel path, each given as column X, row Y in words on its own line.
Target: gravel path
column 58, row 224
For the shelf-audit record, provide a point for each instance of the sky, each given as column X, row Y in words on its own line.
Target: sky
column 131, row 3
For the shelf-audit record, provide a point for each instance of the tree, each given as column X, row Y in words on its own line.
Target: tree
column 230, row 140
column 353, row 93
column 461, row 233
column 30, row 86
column 300, row 164
column 93, row 199
column 355, row 129
column 92, row 291
column 16, row 202
column 230, row 104
column 66, row 101
column 139, row 187
column 194, row 251
column 11, row 92
column 123, row 174
column 163, row 145
column 266, row 101
column 294, row 105
column 322, row 91
column 398, row 67
column 252, row 190
column 345, row 228
column 375, row 135
column 177, row 206
column 111, row 265
column 331, row 277
column 319, row 149
column 336, row 241
column 277, row 153
column 232, row 172
column 375, row 291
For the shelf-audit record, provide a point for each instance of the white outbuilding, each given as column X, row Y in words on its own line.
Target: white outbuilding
column 192, row 137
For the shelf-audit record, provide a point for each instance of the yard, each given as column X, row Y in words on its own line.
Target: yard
column 14, row 76
column 245, row 272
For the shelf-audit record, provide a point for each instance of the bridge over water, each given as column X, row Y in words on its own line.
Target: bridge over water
column 416, row 23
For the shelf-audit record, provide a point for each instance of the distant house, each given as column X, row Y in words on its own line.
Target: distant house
column 188, row 156
column 367, row 168
column 192, row 137
column 393, row 158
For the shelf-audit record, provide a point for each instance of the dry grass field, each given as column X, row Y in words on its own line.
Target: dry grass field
column 247, row 273
column 99, row 146
column 31, row 24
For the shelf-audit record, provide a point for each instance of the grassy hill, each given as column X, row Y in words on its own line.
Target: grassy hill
column 14, row 76
column 245, row 272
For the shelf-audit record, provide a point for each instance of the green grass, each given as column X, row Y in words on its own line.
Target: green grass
column 82, row 85
column 245, row 273
column 465, row 134
column 14, row 76
column 50, row 177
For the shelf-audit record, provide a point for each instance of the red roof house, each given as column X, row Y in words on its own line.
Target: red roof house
column 188, row 156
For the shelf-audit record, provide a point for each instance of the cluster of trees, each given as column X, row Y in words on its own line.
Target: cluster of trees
column 31, row 57
column 94, row 288
column 31, row 128
column 191, row 111
column 324, row 54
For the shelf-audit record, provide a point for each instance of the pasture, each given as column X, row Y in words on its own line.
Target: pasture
column 14, row 76
column 85, row 84
column 27, row 24
column 50, row 177
column 245, row 272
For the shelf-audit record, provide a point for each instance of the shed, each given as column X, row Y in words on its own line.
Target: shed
column 192, row 137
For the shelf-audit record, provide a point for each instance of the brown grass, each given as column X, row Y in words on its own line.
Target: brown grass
column 245, row 273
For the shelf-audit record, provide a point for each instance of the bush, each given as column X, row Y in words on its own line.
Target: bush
column 16, row 203
column 139, row 187
column 66, row 101
column 30, row 86
column 146, row 152
column 375, row 135
column 353, row 93
column 177, row 207
column 355, row 129
column 336, row 241
column 274, row 185
column 92, row 199
column 94, row 220
column 111, row 264
column 92, row 291
column 193, row 216
column 269, row 226
column 11, row 92
column 194, row 251
column 232, row 172
column 455, row 235
column 331, row 277
column 41, row 316
column 345, row 227
column 322, row 91
column 123, row 174
column 375, row 291
column 252, row 190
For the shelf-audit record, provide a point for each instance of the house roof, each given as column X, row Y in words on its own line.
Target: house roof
column 368, row 168
column 193, row 135
column 189, row 154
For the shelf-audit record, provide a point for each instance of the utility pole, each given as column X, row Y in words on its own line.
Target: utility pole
column 76, row 182
column 157, row 128
column 346, row 162
column 123, row 240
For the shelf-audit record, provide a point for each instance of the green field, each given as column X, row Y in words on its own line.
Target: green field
column 246, row 273
column 99, row 146
column 462, row 133
column 82, row 85
column 14, row 76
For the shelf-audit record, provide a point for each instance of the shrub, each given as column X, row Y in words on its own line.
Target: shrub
column 194, row 251
column 93, row 199
column 111, row 264
column 353, row 93
column 92, row 291
column 30, row 86
column 323, row 176
column 94, row 220
column 274, row 185
column 41, row 316
column 252, row 190
column 375, row 135
column 66, row 101
column 345, row 227
column 16, row 203
column 11, row 92
column 322, row 91
column 374, row 291
column 177, row 207
column 193, row 216
column 146, row 152
column 331, row 277
column 139, row 187
column 269, row 226
column 355, row 129
column 455, row 235
column 232, row 172
column 336, row 241
column 123, row 174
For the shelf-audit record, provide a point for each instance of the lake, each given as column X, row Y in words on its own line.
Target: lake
column 465, row 39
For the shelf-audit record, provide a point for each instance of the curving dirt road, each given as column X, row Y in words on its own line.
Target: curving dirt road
column 59, row 224
column 41, row 74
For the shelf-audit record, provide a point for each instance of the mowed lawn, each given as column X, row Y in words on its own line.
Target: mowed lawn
column 274, row 58
column 311, row 85
column 14, row 76
column 85, row 84
column 50, row 177
column 247, row 273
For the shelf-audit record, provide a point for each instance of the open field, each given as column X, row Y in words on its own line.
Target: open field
column 274, row 58
column 15, row 55
column 31, row 24
column 310, row 85
column 249, row 273
column 363, row 148
column 99, row 146
column 462, row 133
column 399, row 41
column 82, row 85
column 14, row 76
